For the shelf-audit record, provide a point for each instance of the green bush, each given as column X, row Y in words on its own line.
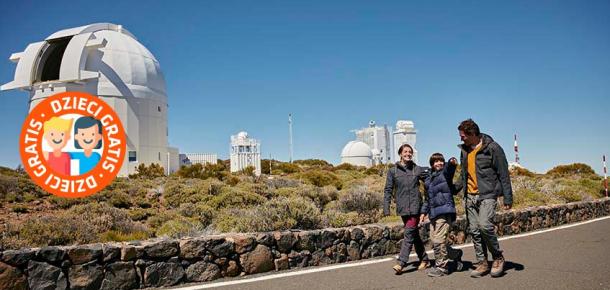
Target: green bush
column 569, row 196
column 120, row 200
column 520, row 171
column 526, row 197
column 361, row 200
column 321, row 178
column 139, row 214
column 276, row 214
column 285, row 168
column 320, row 196
column 151, row 171
column 178, row 191
column 235, row 197
column 218, row 170
column 179, row 227
column 572, row 169
column 80, row 224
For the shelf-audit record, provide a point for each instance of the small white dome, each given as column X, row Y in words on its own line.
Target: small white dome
column 376, row 152
column 242, row 135
column 356, row 149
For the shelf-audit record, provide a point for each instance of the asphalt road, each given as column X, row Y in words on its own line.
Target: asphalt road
column 570, row 258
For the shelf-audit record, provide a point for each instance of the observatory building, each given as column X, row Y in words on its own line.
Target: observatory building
column 187, row 159
column 245, row 152
column 104, row 60
column 405, row 133
column 357, row 153
column 378, row 139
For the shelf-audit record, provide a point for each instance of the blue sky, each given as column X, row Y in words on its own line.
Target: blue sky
column 537, row 68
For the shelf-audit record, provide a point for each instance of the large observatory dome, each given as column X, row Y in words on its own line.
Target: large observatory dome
column 357, row 153
column 105, row 60
column 104, row 52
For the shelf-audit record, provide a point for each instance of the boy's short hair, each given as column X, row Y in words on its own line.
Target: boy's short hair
column 402, row 147
column 436, row 157
column 469, row 127
column 58, row 123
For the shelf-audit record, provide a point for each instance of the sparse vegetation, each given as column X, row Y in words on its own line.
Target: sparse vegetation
column 199, row 199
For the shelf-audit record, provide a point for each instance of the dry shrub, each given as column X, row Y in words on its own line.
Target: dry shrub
column 276, row 214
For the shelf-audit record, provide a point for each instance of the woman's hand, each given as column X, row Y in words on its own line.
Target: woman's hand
column 422, row 219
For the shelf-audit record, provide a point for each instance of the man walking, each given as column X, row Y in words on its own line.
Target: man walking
column 484, row 177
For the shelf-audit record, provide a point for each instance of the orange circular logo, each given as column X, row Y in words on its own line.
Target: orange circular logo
column 72, row 144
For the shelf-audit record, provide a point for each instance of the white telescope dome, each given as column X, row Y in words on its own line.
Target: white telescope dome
column 105, row 60
column 357, row 153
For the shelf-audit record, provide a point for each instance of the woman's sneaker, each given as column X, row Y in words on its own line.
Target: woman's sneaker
column 423, row 264
column 399, row 268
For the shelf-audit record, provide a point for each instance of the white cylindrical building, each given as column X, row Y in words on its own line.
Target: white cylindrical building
column 405, row 133
column 357, row 153
column 245, row 152
column 104, row 60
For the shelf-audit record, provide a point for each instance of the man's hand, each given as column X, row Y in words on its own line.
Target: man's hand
column 453, row 161
column 508, row 206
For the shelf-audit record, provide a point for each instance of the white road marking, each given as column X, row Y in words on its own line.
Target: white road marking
column 373, row 261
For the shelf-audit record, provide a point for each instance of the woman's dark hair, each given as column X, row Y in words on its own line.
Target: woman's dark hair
column 469, row 127
column 436, row 157
column 84, row 123
column 403, row 147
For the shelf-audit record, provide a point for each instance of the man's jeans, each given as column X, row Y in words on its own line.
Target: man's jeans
column 480, row 214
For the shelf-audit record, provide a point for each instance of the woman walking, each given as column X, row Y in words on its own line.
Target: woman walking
column 402, row 183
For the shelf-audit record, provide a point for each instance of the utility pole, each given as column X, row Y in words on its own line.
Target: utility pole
column 290, row 137
column 516, row 150
column 605, row 175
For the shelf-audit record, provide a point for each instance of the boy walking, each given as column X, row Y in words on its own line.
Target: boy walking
column 440, row 208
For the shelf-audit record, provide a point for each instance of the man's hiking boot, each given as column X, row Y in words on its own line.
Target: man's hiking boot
column 437, row 272
column 497, row 267
column 481, row 270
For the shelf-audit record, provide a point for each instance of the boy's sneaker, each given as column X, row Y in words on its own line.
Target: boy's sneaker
column 459, row 266
column 497, row 267
column 423, row 264
column 437, row 272
column 481, row 270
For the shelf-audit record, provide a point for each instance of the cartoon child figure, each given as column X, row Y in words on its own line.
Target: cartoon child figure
column 57, row 135
column 87, row 136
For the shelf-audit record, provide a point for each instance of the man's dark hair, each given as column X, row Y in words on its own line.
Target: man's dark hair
column 403, row 147
column 469, row 127
column 436, row 157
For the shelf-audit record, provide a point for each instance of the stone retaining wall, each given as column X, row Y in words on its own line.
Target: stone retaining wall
column 166, row 262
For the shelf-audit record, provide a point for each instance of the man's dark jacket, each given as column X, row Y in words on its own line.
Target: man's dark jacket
column 493, row 178
column 403, row 181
